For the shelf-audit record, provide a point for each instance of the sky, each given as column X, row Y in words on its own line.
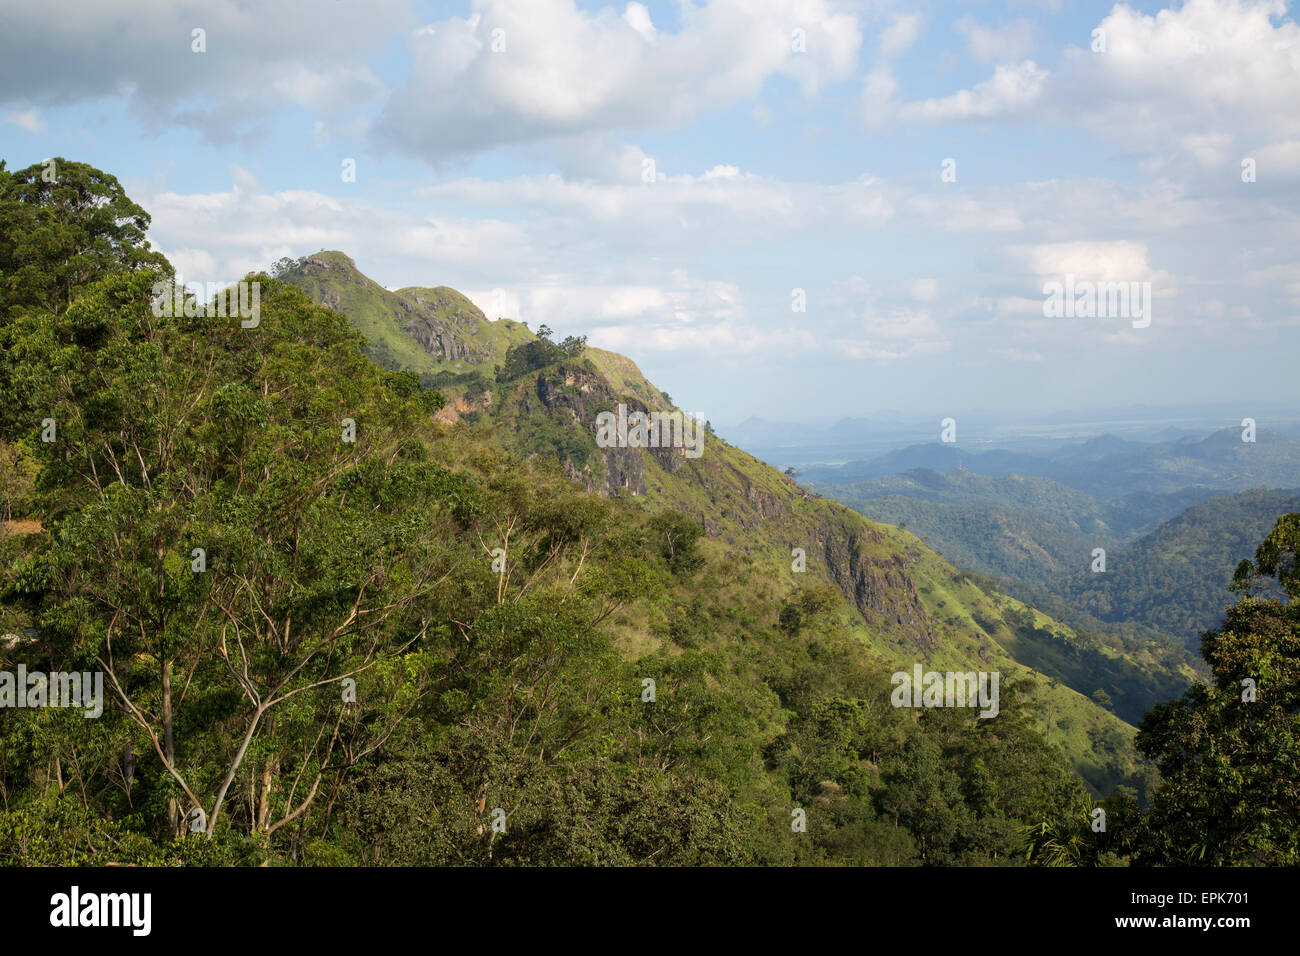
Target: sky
column 799, row 210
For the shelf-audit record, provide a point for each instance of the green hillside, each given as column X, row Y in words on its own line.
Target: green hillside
column 423, row 330
column 342, row 620
column 901, row 599
column 1025, row 528
column 1176, row 578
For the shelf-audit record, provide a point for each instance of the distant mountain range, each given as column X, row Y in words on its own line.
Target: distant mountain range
column 1170, row 550
column 1106, row 466
column 1021, row 527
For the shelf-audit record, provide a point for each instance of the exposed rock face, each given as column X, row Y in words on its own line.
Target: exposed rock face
column 441, row 320
column 764, row 504
column 583, row 394
column 452, row 411
column 623, row 471
column 883, row 590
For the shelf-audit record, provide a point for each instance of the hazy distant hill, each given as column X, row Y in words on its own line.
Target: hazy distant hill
column 1108, row 467
column 1020, row 527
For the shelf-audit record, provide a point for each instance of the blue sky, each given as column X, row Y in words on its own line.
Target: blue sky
column 505, row 149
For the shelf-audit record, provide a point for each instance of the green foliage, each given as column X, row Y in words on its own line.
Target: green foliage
column 538, row 354
column 1228, row 749
column 17, row 480
column 1176, row 578
column 677, row 538
column 502, row 625
column 63, row 225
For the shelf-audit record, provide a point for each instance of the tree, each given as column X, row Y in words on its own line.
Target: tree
column 677, row 538
column 223, row 554
column 17, row 476
column 64, row 225
column 573, row 345
column 1228, row 750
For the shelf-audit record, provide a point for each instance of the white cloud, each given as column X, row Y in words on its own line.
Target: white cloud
column 879, row 327
column 638, row 18
column 1208, row 79
column 1104, row 261
column 1007, row 43
column 1280, row 161
column 25, row 120
column 925, row 290
column 338, row 91
column 879, row 86
column 1281, row 280
column 305, row 52
column 902, row 32
column 722, row 203
column 1012, row 89
column 1020, row 355
column 559, row 71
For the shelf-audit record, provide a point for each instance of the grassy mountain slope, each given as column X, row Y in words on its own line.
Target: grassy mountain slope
column 418, row 329
column 905, row 602
column 477, row 687
column 902, row 600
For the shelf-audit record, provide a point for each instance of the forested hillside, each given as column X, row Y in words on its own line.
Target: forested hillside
column 346, row 616
column 1176, row 578
column 1022, row 527
column 1169, row 556
column 904, row 603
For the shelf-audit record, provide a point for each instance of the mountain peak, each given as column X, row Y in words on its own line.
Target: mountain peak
column 425, row 329
column 331, row 259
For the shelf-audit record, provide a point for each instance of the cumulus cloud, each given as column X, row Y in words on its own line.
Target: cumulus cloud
column 26, row 120
column 721, row 203
column 1210, row 81
column 244, row 229
column 1012, row 89
column 682, row 314
column 63, row 52
column 883, row 327
column 878, row 88
column 1206, row 80
column 1105, row 261
column 518, row 72
column 507, row 268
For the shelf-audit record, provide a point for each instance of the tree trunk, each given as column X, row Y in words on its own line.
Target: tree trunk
column 264, row 807
column 175, row 817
